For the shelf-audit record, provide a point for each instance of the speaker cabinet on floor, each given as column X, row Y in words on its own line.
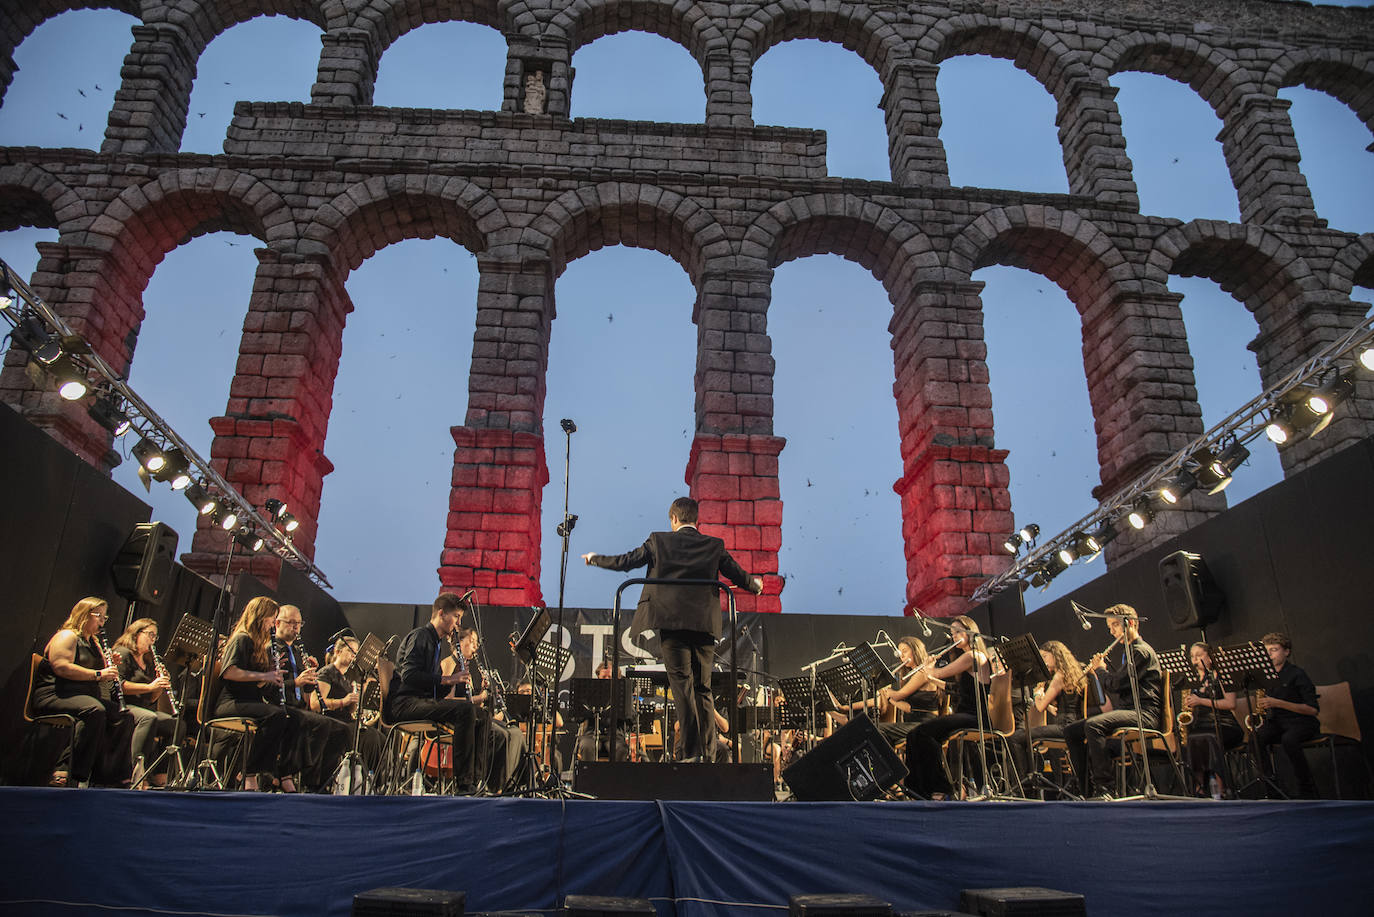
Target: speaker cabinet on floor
column 143, row 568
column 1023, row 901
column 854, row 763
column 409, row 902
column 838, row 906
column 602, row 906
column 717, row 782
column 1191, row 596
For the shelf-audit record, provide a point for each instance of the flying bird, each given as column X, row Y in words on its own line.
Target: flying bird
column 81, row 93
column 62, row 116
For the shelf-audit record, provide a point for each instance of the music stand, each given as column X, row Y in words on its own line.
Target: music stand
column 190, row 639
column 526, row 645
column 803, row 701
column 1021, row 658
column 1248, row 665
column 1179, row 664
column 591, row 699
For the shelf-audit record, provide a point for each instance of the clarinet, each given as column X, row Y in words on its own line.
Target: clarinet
column 117, row 688
column 305, row 657
column 281, row 664
column 462, row 666
column 163, row 673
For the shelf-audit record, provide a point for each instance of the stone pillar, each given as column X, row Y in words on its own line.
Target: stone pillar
column 956, row 508
column 911, row 110
column 149, row 114
column 1094, row 147
column 493, row 539
column 1144, row 399
column 101, row 301
column 499, row 470
column 734, row 479
column 1291, row 338
column 269, row 443
column 1262, row 154
column 348, row 68
column 729, row 99
column 551, row 58
column 733, row 467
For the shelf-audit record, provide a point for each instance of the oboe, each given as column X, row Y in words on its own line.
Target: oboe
column 117, row 687
column 163, row 673
column 281, row 664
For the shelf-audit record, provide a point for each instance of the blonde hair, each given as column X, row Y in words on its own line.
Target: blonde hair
column 250, row 621
column 81, row 613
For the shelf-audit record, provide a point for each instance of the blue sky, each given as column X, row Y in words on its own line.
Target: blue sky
column 622, row 353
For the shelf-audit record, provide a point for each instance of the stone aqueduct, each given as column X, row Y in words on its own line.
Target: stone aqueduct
column 527, row 190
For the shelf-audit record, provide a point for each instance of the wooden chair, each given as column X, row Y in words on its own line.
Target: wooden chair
column 1000, row 724
column 51, row 720
column 392, row 777
column 241, row 730
column 1128, row 739
column 1064, row 775
column 1336, row 713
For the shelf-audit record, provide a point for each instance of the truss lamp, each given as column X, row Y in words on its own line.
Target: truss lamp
column 1141, row 515
column 105, row 411
column 1012, row 544
column 1323, row 402
column 1281, row 428
column 1085, row 545
column 275, row 509
column 1104, row 534
column 175, row 469
column 200, row 498
column 32, row 335
column 289, row 523
column 6, row 289
column 1226, row 463
column 1366, row 357
column 227, row 519
column 1067, row 555
column 1184, row 483
column 1029, row 533
column 149, row 456
column 249, row 539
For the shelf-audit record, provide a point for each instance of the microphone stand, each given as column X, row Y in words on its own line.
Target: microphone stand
column 565, row 529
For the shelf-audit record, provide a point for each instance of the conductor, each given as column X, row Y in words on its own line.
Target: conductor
column 687, row 618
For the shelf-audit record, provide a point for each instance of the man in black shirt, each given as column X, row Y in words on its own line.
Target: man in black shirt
column 687, row 618
column 323, row 740
column 419, row 688
column 1087, row 739
column 1290, row 714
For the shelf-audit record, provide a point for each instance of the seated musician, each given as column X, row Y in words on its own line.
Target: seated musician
column 505, row 743
column 251, row 688
column 926, row 775
column 588, row 748
column 1087, row 739
column 542, row 732
column 1290, row 711
column 1214, row 728
column 144, row 690
column 323, row 739
column 71, row 679
column 343, row 702
column 1060, row 700
column 419, row 689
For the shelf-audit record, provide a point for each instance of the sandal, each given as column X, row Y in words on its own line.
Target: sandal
column 58, row 778
column 288, row 785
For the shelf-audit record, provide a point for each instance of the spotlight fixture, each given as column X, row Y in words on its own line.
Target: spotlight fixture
column 149, row 456
column 1183, row 484
column 175, row 469
column 1026, row 535
column 6, row 289
column 32, row 335
column 105, row 411
column 1085, row 545
column 1104, row 534
column 1067, row 555
column 289, row 522
column 1323, row 402
column 275, row 508
column 1280, row 429
column 247, row 538
column 1029, row 532
column 1366, row 358
column 227, row 519
column 71, row 378
column 200, row 498
column 1141, row 515
column 1012, row 544
column 1226, row 463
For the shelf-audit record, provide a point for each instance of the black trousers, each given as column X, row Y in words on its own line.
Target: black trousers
column 1290, row 734
column 925, row 770
column 320, row 746
column 687, row 657
column 1203, row 753
column 1087, row 741
column 459, row 715
column 274, row 748
column 149, row 726
column 1017, row 741
column 103, row 740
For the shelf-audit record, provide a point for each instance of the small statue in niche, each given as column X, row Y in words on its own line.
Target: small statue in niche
column 535, row 93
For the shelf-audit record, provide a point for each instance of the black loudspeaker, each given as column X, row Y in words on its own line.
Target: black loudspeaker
column 854, row 763
column 838, row 906
column 1024, row 901
column 409, row 902
column 143, row 568
column 1191, row 596
column 602, row 906
column 717, row 782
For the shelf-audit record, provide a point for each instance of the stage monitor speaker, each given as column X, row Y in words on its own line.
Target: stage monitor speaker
column 604, row 906
column 1191, row 596
column 1024, row 901
column 409, row 902
column 714, row 782
column 838, row 906
column 854, row 763
column 143, row 568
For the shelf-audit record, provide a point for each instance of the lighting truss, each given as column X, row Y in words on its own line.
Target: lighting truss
column 145, row 422
column 1244, row 426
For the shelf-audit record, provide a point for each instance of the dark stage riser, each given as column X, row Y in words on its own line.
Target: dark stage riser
column 224, row 853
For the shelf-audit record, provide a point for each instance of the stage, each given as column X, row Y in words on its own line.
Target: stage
column 76, row 852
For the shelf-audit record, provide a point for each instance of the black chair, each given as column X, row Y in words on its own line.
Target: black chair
column 392, row 776
column 240, row 730
column 50, row 720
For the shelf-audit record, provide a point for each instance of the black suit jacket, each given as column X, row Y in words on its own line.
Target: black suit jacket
column 684, row 554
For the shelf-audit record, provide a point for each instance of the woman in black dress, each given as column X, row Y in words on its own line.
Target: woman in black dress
column 926, row 773
column 144, row 690
column 70, row 680
column 251, row 688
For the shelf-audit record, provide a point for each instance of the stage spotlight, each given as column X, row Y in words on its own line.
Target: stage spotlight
column 200, row 498
column 275, row 509
column 1323, row 402
column 1067, row 555
column 1029, row 533
column 105, row 411
column 1366, row 358
column 247, row 538
column 1280, row 429
column 175, row 469
column 1226, row 463
column 149, row 456
column 1025, row 536
column 1184, row 483
column 6, row 289
column 1104, row 534
column 32, row 335
column 1085, row 545
column 289, row 522
column 1141, row 515
column 71, row 378
column 1012, row 544
column 227, row 519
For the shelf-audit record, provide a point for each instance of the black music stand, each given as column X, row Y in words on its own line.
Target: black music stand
column 1248, row 665
column 190, row 640
column 591, row 699
column 803, row 702
column 370, row 650
column 1021, row 658
column 526, row 645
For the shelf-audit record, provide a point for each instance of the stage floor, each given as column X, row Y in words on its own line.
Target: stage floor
column 77, row 852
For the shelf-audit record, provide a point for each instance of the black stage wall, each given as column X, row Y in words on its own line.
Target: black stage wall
column 63, row 525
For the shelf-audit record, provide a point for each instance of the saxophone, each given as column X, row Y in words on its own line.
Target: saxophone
column 1255, row 718
column 1185, row 716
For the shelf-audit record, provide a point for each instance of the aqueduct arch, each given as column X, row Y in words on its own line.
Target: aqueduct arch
column 729, row 201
